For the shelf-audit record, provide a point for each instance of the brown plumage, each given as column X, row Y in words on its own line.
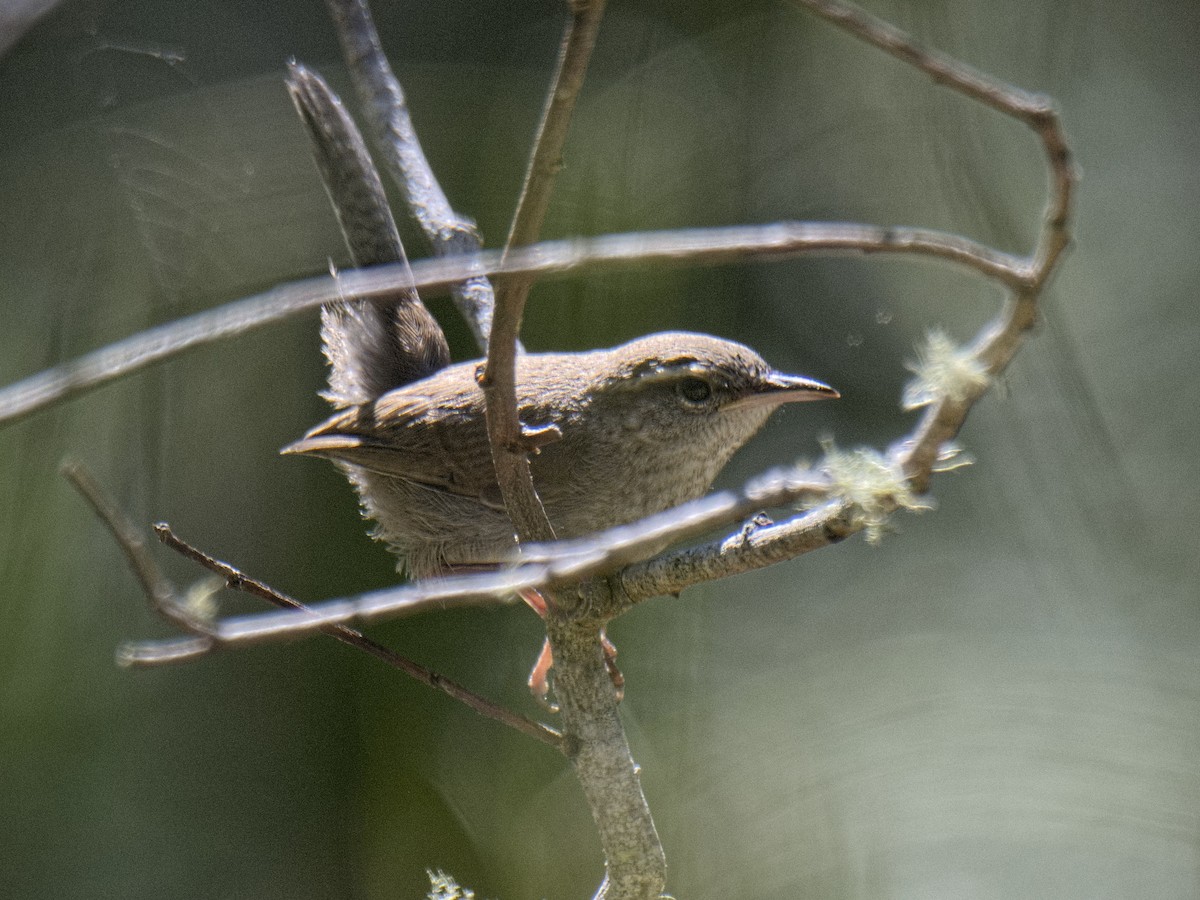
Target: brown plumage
column 645, row 426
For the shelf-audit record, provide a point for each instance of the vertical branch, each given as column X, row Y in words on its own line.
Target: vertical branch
column 635, row 863
column 546, row 160
column 634, row 858
column 510, row 450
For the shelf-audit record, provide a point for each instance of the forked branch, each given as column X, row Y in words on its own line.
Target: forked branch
column 169, row 602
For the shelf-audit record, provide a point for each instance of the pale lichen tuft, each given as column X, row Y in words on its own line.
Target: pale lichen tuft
column 444, row 887
column 872, row 484
column 943, row 370
column 200, row 599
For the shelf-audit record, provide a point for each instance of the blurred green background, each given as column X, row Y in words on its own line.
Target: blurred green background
column 1003, row 700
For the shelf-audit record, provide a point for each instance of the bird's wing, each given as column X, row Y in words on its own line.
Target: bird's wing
column 404, row 435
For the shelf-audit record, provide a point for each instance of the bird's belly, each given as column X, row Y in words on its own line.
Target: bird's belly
column 432, row 530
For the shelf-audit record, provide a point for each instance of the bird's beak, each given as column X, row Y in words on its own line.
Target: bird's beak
column 778, row 388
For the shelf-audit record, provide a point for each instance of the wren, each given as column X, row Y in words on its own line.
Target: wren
column 644, row 426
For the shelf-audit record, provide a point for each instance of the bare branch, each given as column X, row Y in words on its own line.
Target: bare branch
column 160, row 592
column 387, row 116
column 545, row 161
column 236, row 580
column 510, row 450
column 943, row 69
column 540, row 566
column 443, row 593
column 547, row 259
column 165, row 599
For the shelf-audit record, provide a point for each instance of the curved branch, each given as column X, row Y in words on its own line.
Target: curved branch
column 548, row 259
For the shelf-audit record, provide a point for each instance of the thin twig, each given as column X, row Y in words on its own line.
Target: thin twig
column 545, row 162
column 435, row 595
column 165, row 599
column 387, row 117
column 541, row 567
column 237, row 580
column 510, row 450
column 548, row 259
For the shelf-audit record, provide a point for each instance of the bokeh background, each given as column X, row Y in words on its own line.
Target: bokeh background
column 1002, row 700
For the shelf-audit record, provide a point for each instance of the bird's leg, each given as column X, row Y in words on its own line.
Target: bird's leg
column 533, row 597
column 539, row 676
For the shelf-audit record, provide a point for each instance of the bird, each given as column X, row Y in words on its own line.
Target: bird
column 638, row 429
column 644, row 426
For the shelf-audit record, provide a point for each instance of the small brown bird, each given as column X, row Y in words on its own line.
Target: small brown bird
column 645, row 426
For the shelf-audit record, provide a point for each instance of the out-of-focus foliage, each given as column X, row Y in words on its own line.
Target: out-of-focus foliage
column 1002, row 700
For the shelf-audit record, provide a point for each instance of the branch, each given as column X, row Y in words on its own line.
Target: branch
column 635, row 864
column 545, row 161
column 167, row 601
column 387, row 116
column 548, row 259
column 437, row 595
column 755, row 546
column 510, row 449
column 539, row 567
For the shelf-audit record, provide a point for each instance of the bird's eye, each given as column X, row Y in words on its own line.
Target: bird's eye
column 694, row 391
